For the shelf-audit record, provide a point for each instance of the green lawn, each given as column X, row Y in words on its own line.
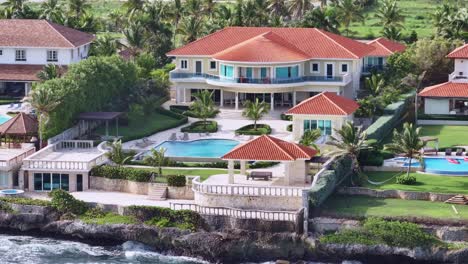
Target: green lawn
column 366, row 206
column 417, row 13
column 425, row 183
column 448, row 135
column 141, row 127
column 203, row 173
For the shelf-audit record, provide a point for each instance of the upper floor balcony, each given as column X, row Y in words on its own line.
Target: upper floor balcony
column 254, row 82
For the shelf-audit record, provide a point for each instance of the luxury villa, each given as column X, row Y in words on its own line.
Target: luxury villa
column 449, row 98
column 26, row 45
column 281, row 66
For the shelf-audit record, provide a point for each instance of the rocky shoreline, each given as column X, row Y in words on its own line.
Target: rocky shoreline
column 224, row 246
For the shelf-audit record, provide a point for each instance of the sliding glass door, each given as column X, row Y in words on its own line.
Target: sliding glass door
column 51, row 181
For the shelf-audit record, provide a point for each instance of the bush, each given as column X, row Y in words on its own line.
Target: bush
column 201, row 127
column 24, row 201
column 64, row 202
column 176, row 180
column 262, row 129
column 286, row 117
column 406, row 179
column 289, row 128
column 185, row 110
column 122, row 173
column 6, row 208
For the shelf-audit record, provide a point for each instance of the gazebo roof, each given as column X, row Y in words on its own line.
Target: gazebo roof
column 99, row 115
column 22, row 124
column 269, row 148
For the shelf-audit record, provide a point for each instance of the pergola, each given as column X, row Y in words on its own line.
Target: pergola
column 268, row 148
column 20, row 127
column 102, row 116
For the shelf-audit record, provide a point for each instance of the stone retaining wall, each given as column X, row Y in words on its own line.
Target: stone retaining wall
column 397, row 194
column 183, row 193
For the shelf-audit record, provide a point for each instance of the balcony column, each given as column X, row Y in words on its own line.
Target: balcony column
column 221, row 98
column 237, row 100
column 272, row 101
column 243, row 167
column 185, row 94
column 294, row 98
column 231, row 171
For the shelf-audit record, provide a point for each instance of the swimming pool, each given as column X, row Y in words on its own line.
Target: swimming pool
column 443, row 166
column 4, row 118
column 202, row 148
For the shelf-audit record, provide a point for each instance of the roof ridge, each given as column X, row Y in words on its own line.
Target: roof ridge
column 304, row 101
column 458, row 48
column 325, row 94
column 50, row 24
column 199, row 39
column 277, row 145
column 334, row 41
column 429, row 88
column 290, row 45
column 383, row 46
column 23, row 117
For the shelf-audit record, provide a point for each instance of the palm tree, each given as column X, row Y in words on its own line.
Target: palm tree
column 77, row 7
column 297, row 8
column 347, row 12
column 390, row 14
column 105, row 45
column 132, row 6
column 14, row 8
column 44, row 101
column 51, row 10
column 116, row 153
column 191, row 28
column 255, row 110
column 193, row 7
column 309, row 137
column 408, row 143
column 203, row 107
column 375, row 84
column 392, row 33
column 277, row 7
column 135, row 37
column 325, row 19
column 49, row 72
column 157, row 159
column 350, row 141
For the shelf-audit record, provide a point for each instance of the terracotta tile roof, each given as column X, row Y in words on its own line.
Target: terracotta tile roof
column 268, row 47
column 448, row 89
column 270, row 149
column 459, row 53
column 314, row 43
column 14, row 72
column 22, row 124
column 40, row 33
column 385, row 47
column 326, row 103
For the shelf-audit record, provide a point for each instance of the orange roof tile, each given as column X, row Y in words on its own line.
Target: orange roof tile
column 21, row 124
column 385, row 47
column 312, row 42
column 268, row 47
column 270, row 149
column 14, row 72
column 40, row 33
column 326, row 103
column 448, row 89
column 459, row 53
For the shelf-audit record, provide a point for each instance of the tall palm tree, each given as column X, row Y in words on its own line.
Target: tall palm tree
column 297, row 8
column 157, row 159
column 349, row 142
column 116, row 153
column 191, row 28
column 392, row 32
column 325, row 19
column 375, row 83
column 51, row 10
column 78, row 7
column 135, row 37
column 255, row 110
column 390, row 14
column 133, row 6
column 193, row 7
column 14, row 8
column 49, row 72
column 44, row 101
column 203, row 107
column 347, row 12
column 277, row 7
column 105, row 45
column 408, row 143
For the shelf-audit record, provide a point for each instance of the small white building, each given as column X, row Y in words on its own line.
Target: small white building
column 11, row 159
column 326, row 111
column 449, row 98
column 26, row 45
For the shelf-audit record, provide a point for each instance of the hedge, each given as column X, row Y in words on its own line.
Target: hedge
column 122, row 173
column 199, row 127
column 391, row 118
column 286, row 117
column 185, row 110
column 442, row 117
column 262, row 129
column 176, row 180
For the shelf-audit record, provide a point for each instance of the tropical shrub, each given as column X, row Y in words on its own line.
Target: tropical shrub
column 64, row 202
column 25, row 201
column 185, row 110
column 407, row 179
column 262, row 129
column 201, row 127
column 122, row 173
column 6, row 208
column 262, row 164
column 289, row 128
column 176, row 180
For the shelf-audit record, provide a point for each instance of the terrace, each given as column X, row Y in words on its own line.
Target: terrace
column 12, row 157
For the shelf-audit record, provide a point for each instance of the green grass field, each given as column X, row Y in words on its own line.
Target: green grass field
column 361, row 206
column 448, row 135
column 203, row 173
column 425, row 183
column 417, row 17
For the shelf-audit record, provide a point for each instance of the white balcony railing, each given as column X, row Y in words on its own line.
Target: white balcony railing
column 12, row 162
column 245, row 190
column 458, row 77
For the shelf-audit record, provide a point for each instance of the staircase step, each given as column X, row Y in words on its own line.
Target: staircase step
column 157, row 192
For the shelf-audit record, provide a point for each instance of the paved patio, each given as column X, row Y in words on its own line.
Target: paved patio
column 239, row 179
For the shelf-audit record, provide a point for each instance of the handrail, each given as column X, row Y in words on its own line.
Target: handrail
column 245, row 190
column 237, row 213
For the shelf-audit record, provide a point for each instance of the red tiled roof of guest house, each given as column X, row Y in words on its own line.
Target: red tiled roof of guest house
column 459, row 53
column 326, row 103
column 40, row 33
column 268, row 148
column 297, row 42
column 14, row 72
column 384, row 47
column 21, row 124
column 448, row 89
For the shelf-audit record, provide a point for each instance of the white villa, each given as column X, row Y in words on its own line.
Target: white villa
column 26, row 45
column 449, row 98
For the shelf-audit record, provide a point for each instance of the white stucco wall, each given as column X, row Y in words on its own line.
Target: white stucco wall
column 38, row 56
column 436, row 106
column 298, row 123
column 461, row 65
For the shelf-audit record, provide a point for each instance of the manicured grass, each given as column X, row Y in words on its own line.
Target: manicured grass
column 417, row 17
column 204, row 174
column 424, row 183
column 201, row 127
column 142, row 126
column 361, row 206
column 109, row 218
column 448, row 135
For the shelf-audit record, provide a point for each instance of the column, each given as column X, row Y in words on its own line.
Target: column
column 243, row 167
column 237, row 100
column 185, row 95
column 221, row 98
column 287, row 172
column 294, row 98
column 272, row 101
column 231, row 171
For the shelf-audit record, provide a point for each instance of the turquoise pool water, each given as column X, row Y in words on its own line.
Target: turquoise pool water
column 4, row 118
column 440, row 165
column 202, row 148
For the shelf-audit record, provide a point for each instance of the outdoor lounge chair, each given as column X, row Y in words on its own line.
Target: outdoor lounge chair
column 459, row 152
column 185, row 137
column 11, row 105
column 18, row 106
column 173, row 137
column 448, row 152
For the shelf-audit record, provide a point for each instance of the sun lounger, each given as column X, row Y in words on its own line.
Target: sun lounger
column 186, row 136
column 448, row 152
column 260, row 174
column 173, row 137
column 18, row 106
column 459, row 152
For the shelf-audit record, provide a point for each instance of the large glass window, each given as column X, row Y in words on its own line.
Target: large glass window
column 4, row 175
column 324, row 125
column 227, row 71
column 287, row 72
column 48, row 181
column 55, row 181
column 38, row 181
column 263, row 72
column 248, row 72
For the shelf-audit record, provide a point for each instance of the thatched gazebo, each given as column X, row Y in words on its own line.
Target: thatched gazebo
column 20, row 128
